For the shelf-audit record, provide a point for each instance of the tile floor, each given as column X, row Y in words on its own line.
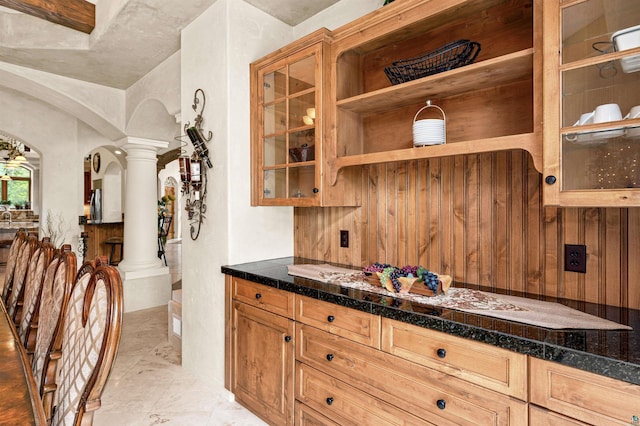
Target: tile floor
column 148, row 386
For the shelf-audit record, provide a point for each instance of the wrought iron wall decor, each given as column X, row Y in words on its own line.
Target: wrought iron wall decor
column 193, row 173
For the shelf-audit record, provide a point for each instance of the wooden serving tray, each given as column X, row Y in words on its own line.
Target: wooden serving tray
column 416, row 287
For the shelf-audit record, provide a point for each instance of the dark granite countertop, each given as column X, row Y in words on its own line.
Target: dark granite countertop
column 613, row 354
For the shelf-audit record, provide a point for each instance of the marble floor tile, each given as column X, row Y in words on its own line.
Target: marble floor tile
column 147, row 385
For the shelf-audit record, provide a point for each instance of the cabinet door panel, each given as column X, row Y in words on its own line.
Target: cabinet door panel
column 263, row 363
column 590, row 90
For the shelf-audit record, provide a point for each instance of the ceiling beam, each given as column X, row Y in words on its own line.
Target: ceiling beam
column 77, row 14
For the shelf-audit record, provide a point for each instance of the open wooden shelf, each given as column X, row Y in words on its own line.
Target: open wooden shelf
column 525, row 141
column 492, row 72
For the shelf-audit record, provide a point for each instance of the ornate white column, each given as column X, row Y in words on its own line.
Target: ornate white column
column 145, row 278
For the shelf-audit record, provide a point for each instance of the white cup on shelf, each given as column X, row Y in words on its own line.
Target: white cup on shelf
column 586, row 118
column 634, row 112
column 632, row 132
column 607, row 112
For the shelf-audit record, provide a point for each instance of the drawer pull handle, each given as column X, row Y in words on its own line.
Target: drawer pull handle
column 441, row 403
column 441, row 353
column 329, row 357
column 331, row 318
column 258, row 296
column 287, row 338
column 330, row 400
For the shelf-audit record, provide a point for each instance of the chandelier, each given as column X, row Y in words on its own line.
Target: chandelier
column 12, row 151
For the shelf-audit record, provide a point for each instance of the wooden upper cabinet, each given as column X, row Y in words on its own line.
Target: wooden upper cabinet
column 489, row 104
column 288, row 90
column 591, row 85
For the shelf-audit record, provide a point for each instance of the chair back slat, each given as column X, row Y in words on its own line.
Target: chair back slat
column 14, row 307
column 59, row 278
column 90, row 340
column 18, row 240
column 28, row 326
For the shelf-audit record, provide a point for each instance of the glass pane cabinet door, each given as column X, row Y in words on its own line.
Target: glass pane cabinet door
column 599, row 91
column 288, row 130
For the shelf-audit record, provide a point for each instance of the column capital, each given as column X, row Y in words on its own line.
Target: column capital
column 135, row 142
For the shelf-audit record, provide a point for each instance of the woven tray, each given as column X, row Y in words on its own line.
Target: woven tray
column 452, row 55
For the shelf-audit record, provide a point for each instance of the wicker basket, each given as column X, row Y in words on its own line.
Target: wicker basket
column 452, row 55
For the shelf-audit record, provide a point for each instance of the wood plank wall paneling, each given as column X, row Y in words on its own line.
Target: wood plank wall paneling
column 480, row 219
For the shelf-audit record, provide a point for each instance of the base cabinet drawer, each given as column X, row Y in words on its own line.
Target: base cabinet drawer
column 425, row 393
column 485, row 365
column 584, row 396
column 263, row 297
column 306, row 416
column 356, row 325
column 539, row 416
column 345, row 404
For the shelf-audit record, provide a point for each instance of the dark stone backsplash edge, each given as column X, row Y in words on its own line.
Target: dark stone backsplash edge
column 530, row 340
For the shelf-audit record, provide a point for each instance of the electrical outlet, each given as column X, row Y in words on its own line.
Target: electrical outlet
column 344, row 238
column 575, row 258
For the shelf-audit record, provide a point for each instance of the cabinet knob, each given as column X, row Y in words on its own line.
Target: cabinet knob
column 287, row 338
column 441, row 403
column 330, row 400
column 331, row 318
column 258, row 295
column 316, row 190
column 441, row 353
column 550, row 180
column 329, row 357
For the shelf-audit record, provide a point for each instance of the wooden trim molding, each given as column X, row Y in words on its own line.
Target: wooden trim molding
column 76, row 14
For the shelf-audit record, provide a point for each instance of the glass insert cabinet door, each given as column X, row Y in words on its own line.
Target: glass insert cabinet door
column 597, row 81
column 288, row 117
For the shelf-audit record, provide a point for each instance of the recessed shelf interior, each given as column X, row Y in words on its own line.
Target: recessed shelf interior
column 490, row 98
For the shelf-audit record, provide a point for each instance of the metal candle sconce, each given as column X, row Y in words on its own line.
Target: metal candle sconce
column 193, row 174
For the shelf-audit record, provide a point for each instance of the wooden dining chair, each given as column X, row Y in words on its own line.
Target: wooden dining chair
column 90, row 340
column 56, row 288
column 14, row 306
column 17, row 242
column 38, row 265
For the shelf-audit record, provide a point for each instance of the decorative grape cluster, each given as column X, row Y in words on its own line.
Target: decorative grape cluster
column 392, row 273
column 376, row 267
column 429, row 278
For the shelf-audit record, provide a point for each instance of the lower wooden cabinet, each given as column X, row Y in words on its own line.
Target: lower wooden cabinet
column 427, row 394
column 292, row 359
column 262, row 362
column 583, row 396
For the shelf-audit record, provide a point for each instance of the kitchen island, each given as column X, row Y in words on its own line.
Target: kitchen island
column 10, row 222
column 97, row 234
column 612, row 356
